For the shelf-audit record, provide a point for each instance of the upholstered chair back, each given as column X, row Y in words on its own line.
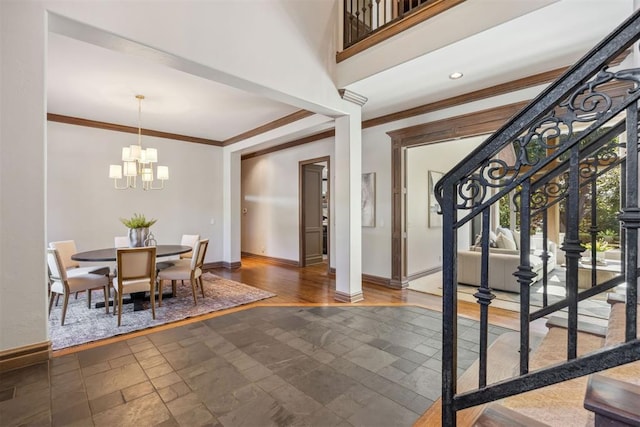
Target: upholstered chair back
column 66, row 248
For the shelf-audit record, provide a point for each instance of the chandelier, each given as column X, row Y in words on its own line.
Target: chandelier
column 137, row 161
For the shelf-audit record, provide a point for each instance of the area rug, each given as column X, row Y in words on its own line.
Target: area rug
column 83, row 325
column 596, row 307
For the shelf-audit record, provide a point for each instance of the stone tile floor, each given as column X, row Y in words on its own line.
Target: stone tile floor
column 265, row 366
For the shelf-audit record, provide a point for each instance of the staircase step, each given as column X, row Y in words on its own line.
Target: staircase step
column 503, row 360
column 559, row 404
column 615, row 402
column 496, row 415
column 583, row 326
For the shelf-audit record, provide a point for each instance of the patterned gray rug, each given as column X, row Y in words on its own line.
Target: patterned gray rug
column 83, row 325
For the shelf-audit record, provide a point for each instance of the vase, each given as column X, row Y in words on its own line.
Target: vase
column 137, row 236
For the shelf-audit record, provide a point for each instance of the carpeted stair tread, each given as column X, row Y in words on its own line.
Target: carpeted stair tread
column 631, row 371
column 559, row 404
column 503, row 361
column 583, row 326
column 496, row 415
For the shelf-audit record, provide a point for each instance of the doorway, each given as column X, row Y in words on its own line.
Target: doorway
column 314, row 211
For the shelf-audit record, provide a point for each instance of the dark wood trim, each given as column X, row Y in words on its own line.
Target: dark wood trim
column 377, row 280
column 463, row 126
column 423, row 273
column 423, row 109
column 231, row 265
column 311, row 138
column 272, row 260
column 212, row 265
column 129, row 129
column 282, row 121
column 421, row 15
column 20, row 357
column 501, row 89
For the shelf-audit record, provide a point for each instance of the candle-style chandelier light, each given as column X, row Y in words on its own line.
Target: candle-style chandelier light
column 137, row 161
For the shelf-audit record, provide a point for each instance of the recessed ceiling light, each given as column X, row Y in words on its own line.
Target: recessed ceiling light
column 456, row 75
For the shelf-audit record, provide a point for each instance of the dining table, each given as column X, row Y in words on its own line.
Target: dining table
column 110, row 254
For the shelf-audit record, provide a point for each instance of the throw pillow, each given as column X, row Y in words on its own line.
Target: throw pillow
column 504, row 242
column 507, row 234
column 516, row 237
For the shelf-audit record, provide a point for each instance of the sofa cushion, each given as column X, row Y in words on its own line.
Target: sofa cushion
column 504, row 241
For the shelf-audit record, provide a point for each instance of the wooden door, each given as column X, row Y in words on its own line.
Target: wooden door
column 312, row 213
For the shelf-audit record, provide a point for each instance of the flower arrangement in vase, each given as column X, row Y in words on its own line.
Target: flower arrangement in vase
column 138, row 226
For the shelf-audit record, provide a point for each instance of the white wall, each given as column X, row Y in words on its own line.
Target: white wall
column 270, row 195
column 250, row 45
column 424, row 243
column 83, row 205
column 23, row 273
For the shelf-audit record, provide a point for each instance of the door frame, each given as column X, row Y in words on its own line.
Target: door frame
column 301, row 233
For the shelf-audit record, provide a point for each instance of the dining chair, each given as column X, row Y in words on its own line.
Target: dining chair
column 66, row 248
column 121, row 242
column 64, row 284
column 183, row 271
column 136, row 269
column 189, row 240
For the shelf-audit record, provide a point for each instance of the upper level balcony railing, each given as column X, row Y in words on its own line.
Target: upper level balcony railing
column 364, row 18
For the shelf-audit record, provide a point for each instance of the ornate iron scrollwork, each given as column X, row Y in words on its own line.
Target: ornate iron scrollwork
column 547, row 136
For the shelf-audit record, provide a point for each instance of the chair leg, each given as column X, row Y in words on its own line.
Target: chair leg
column 89, row 298
column 64, row 308
column 160, row 293
column 51, row 298
column 152, row 299
column 201, row 285
column 193, row 291
column 174, row 288
column 119, row 307
column 106, row 298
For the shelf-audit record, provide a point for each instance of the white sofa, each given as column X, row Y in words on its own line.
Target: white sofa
column 503, row 262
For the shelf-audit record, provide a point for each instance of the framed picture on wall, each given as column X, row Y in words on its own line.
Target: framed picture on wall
column 369, row 199
column 435, row 219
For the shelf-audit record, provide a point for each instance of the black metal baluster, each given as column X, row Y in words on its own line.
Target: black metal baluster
column 545, row 257
column 573, row 249
column 484, row 297
column 449, row 306
column 593, row 230
column 525, row 274
column 630, row 218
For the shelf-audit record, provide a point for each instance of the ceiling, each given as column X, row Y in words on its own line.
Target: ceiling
column 92, row 82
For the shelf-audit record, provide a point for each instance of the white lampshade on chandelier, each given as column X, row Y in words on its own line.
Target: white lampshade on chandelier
column 137, row 161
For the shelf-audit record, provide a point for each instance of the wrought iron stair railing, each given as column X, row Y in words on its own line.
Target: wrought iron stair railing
column 566, row 130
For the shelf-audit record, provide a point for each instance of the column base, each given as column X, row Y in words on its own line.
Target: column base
column 344, row 297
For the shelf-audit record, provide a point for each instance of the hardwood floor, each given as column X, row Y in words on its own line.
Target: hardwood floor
column 312, row 286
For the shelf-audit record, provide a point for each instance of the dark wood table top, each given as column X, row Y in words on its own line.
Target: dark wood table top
column 109, row 254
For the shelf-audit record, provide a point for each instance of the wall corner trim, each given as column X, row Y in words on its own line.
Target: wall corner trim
column 20, row 357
